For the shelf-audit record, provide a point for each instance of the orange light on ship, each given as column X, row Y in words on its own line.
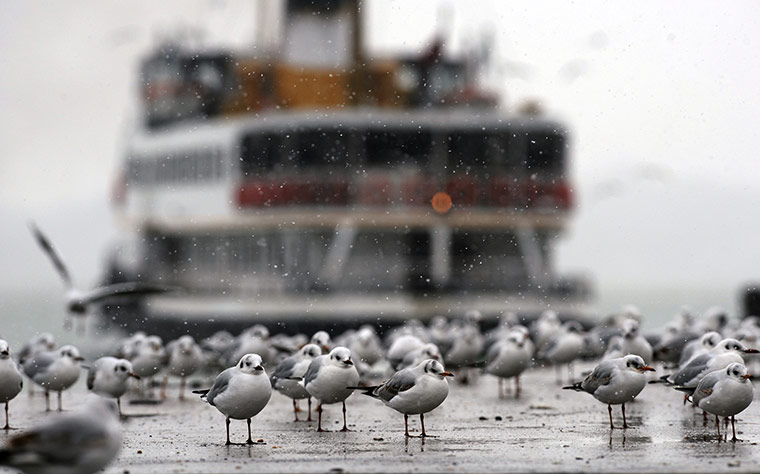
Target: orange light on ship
column 441, row 202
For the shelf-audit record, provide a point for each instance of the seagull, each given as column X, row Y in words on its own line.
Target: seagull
column 400, row 347
column 509, row 358
column 11, row 381
column 254, row 340
column 54, row 370
column 631, row 342
column 323, row 340
column 615, row 382
column 697, row 347
column 284, row 378
column 413, row 391
column 366, row 345
column 80, row 442
column 327, row 379
column 185, row 358
column 725, row 392
column 240, row 392
column 725, row 352
column 108, row 377
column 413, row 358
column 543, row 329
column 39, row 343
column 147, row 357
column 566, row 346
column 78, row 302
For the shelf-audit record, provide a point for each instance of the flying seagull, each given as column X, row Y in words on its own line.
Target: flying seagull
column 78, row 302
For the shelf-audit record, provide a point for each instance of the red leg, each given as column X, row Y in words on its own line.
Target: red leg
column 625, row 423
column 7, row 425
column 609, row 409
column 319, row 417
column 249, row 440
column 345, row 426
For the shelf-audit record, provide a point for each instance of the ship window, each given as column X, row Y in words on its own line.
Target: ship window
column 485, row 260
column 318, row 148
column 258, row 152
column 546, row 151
column 469, row 151
column 393, row 148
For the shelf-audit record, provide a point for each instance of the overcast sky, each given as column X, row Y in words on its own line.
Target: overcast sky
column 661, row 98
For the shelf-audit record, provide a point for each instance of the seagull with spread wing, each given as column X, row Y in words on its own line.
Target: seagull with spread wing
column 78, row 302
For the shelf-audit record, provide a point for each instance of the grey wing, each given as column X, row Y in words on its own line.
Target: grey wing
column 705, row 387
column 601, row 375
column 39, row 363
column 221, row 383
column 43, row 242
column 311, row 372
column 284, row 369
column 693, row 369
column 400, row 381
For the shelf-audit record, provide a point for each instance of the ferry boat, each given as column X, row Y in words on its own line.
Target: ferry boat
column 316, row 187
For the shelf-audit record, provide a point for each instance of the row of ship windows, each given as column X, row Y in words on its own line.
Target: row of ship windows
column 470, row 152
column 376, row 260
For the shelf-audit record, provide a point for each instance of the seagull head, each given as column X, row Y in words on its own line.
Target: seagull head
column 710, row 339
column 435, row 369
column 630, row 328
column 517, row 338
column 251, row 364
column 123, row 369
column 341, row 357
column 430, row 351
column 738, row 371
column 732, row 345
column 70, row 352
column 322, row 339
column 311, row 351
column 5, row 350
column 185, row 344
column 636, row 363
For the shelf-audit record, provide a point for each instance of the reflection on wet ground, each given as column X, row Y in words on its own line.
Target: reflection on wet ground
column 546, row 429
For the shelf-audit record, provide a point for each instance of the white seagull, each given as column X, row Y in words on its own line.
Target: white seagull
column 11, row 381
column 79, row 442
column 327, row 379
column 290, row 370
column 79, row 301
column 725, row 392
column 55, row 370
column 615, row 382
column 509, row 358
column 185, row 358
column 240, row 392
column 108, row 377
column 413, row 391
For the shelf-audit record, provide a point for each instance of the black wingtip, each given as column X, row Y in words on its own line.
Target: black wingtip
column 202, row 393
column 369, row 391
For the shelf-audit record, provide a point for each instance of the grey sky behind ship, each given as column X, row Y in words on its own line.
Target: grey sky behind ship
column 661, row 100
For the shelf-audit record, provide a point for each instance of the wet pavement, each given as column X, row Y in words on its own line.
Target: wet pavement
column 546, row 429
